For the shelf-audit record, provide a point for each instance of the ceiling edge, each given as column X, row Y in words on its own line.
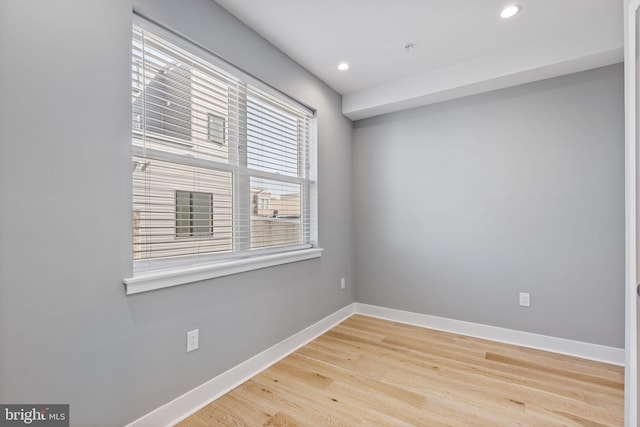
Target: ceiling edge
column 468, row 79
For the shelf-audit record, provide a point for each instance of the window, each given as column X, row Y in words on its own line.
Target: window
column 136, row 75
column 222, row 164
column 194, row 214
column 216, row 129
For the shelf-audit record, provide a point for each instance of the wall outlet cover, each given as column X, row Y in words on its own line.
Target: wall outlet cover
column 192, row 340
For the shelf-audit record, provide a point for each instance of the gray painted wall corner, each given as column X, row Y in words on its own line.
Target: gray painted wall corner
column 464, row 204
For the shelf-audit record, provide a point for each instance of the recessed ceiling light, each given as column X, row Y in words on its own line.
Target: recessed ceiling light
column 343, row 66
column 509, row 11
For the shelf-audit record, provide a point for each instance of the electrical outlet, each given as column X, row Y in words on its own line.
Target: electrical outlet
column 192, row 340
column 343, row 283
column 525, row 299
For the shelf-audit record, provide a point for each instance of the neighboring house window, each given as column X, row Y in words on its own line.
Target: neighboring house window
column 264, row 204
column 194, row 214
column 136, row 75
column 261, row 202
column 137, row 122
column 249, row 192
column 216, row 129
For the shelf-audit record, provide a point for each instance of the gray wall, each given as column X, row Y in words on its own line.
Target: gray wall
column 462, row 205
column 68, row 333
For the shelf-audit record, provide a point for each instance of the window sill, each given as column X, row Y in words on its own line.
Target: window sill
column 159, row 279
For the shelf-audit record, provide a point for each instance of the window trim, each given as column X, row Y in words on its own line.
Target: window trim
column 162, row 273
column 159, row 279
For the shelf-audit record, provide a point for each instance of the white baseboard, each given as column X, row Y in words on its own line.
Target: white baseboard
column 583, row 350
column 192, row 401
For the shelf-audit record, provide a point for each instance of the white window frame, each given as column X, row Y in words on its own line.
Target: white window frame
column 161, row 273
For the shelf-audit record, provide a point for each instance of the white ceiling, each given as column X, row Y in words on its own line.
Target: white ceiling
column 461, row 47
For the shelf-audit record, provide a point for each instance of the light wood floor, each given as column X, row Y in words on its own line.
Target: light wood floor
column 372, row 372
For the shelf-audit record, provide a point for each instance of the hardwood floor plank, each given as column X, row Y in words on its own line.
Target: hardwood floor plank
column 413, row 364
column 283, row 420
column 590, row 379
column 372, row 372
column 319, row 406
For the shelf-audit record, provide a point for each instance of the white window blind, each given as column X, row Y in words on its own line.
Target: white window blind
column 221, row 163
